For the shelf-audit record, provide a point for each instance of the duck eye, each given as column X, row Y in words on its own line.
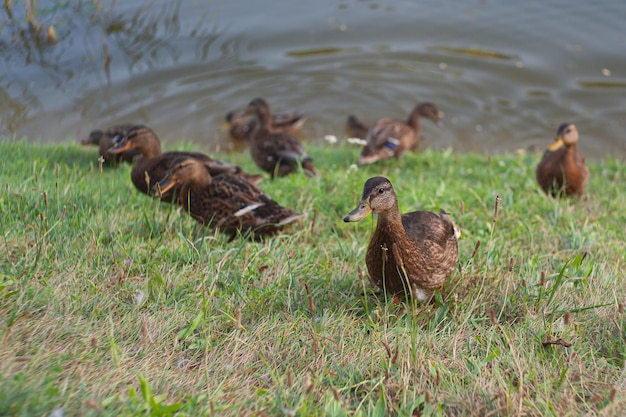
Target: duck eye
column 381, row 190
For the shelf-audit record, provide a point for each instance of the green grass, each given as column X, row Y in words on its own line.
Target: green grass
column 112, row 303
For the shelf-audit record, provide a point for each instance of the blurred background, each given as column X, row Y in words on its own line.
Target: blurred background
column 505, row 73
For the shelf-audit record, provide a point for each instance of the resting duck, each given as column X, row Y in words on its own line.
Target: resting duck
column 242, row 127
column 562, row 169
column 392, row 137
column 103, row 139
column 224, row 202
column 273, row 151
column 410, row 254
column 152, row 165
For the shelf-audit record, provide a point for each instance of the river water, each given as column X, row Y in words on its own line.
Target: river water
column 505, row 73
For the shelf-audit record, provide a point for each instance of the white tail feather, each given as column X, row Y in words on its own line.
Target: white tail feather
column 246, row 209
column 291, row 219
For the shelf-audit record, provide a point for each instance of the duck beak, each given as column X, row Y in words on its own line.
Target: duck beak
column 225, row 126
column 558, row 143
column 360, row 212
column 119, row 147
column 163, row 186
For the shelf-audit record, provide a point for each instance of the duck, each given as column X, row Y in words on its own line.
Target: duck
column 410, row 254
column 276, row 152
column 562, row 169
column 103, row 139
column 391, row 137
column 152, row 165
column 242, row 127
column 224, row 202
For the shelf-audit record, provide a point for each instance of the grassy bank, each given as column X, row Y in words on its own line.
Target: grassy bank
column 116, row 304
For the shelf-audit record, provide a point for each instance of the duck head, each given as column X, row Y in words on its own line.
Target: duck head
column 378, row 197
column 259, row 108
column 566, row 135
column 137, row 137
column 183, row 170
column 429, row 111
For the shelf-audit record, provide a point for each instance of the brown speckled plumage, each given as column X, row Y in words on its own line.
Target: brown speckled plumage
column 413, row 253
column 277, row 153
column 391, row 137
column 562, row 169
column 225, row 202
column 152, row 165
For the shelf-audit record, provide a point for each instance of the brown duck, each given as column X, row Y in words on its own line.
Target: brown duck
column 562, row 170
column 412, row 253
column 103, row 139
column 392, row 137
column 152, row 165
column 224, row 202
column 241, row 127
column 273, row 151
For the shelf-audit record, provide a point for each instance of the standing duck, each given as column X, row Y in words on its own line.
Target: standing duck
column 242, row 127
column 224, row 202
column 410, row 254
column 562, row 169
column 103, row 139
column 273, row 151
column 152, row 165
column 392, row 137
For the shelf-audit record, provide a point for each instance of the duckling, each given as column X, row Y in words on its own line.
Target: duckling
column 410, row 254
column 562, row 169
column 152, row 165
column 103, row 139
column 242, row 128
column 224, row 202
column 392, row 137
column 275, row 152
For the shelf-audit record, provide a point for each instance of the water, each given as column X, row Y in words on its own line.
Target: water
column 505, row 74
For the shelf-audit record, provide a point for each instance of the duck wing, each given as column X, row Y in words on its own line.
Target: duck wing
column 549, row 171
column 235, row 206
column 388, row 138
column 288, row 122
column 388, row 132
column 424, row 226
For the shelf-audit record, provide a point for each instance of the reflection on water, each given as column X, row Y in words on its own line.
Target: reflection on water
column 321, row 51
column 476, row 52
column 505, row 75
column 602, row 84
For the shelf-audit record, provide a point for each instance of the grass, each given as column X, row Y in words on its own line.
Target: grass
column 116, row 304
